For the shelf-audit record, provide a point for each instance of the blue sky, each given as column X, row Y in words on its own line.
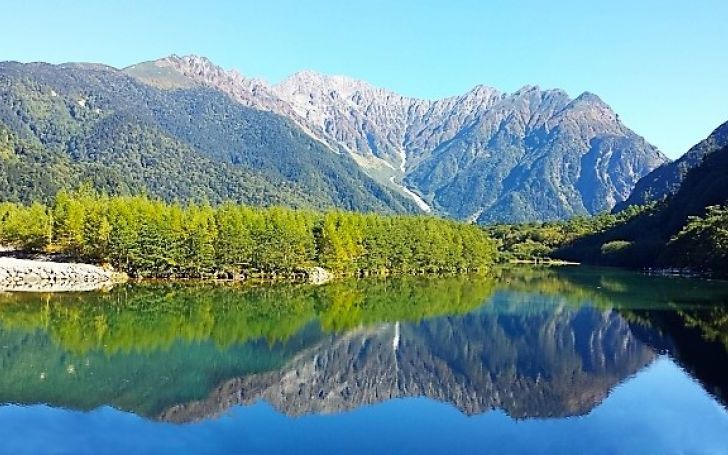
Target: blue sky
column 662, row 65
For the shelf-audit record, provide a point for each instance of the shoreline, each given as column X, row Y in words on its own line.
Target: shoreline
column 37, row 273
column 542, row 261
column 29, row 275
column 44, row 275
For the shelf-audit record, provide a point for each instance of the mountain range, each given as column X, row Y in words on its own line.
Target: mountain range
column 183, row 128
column 71, row 123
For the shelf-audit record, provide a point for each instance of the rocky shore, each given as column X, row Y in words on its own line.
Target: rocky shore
column 24, row 275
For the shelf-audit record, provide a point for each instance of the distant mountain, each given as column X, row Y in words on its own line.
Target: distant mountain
column 485, row 155
column 666, row 179
column 64, row 124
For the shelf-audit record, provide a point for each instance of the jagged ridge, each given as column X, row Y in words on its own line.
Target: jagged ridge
column 487, row 155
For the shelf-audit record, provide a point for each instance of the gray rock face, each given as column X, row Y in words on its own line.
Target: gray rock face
column 531, row 155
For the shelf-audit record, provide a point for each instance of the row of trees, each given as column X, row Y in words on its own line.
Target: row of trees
column 147, row 237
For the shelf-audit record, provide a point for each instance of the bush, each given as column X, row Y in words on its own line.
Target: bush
column 615, row 247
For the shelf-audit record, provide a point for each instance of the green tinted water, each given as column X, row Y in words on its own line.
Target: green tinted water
column 543, row 344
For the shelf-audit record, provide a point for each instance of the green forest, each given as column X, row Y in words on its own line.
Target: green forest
column 145, row 237
column 687, row 229
column 538, row 241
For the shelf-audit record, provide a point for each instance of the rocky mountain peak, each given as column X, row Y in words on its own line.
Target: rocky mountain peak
column 527, row 89
column 309, row 82
column 592, row 101
column 591, row 98
column 191, row 59
column 484, row 91
column 198, row 68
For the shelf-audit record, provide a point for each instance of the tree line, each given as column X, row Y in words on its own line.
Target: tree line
column 148, row 237
column 532, row 241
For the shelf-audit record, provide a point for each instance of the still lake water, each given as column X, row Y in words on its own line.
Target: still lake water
column 562, row 360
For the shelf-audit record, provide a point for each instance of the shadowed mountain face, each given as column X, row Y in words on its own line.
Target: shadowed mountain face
column 664, row 235
column 546, row 364
column 484, row 155
column 666, row 179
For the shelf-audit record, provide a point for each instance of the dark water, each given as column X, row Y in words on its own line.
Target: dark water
column 568, row 360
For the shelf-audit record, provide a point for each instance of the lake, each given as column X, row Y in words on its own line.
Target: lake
column 526, row 360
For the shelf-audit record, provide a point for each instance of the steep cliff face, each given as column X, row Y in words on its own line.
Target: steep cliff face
column 536, row 155
column 540, row 365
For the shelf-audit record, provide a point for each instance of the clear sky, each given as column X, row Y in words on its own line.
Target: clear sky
column 661, row 64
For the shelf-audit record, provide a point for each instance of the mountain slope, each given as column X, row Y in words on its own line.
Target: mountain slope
column 191, row 143
column 540, row 156
column 534, row 154
column 666, row 179
column 646, row 240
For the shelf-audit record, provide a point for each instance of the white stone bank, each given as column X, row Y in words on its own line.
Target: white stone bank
column 22, row 275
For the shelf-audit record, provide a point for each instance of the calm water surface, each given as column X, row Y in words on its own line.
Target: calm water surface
column 525, row 361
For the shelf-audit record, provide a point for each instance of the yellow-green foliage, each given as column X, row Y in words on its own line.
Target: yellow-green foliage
column 143, row 318
column 538, row 240
column 615, row 247
column 26, row 226
column 148, row 237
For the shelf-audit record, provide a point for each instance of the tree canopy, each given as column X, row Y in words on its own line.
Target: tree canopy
column 148, row 237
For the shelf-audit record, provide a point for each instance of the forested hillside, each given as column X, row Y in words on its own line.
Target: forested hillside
column 73, row 123
column 150, row 163
column 538, row 241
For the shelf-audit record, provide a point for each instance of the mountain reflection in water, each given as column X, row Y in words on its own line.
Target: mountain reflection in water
column 534, row 343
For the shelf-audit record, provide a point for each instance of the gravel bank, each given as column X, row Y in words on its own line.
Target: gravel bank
column 24, row 275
